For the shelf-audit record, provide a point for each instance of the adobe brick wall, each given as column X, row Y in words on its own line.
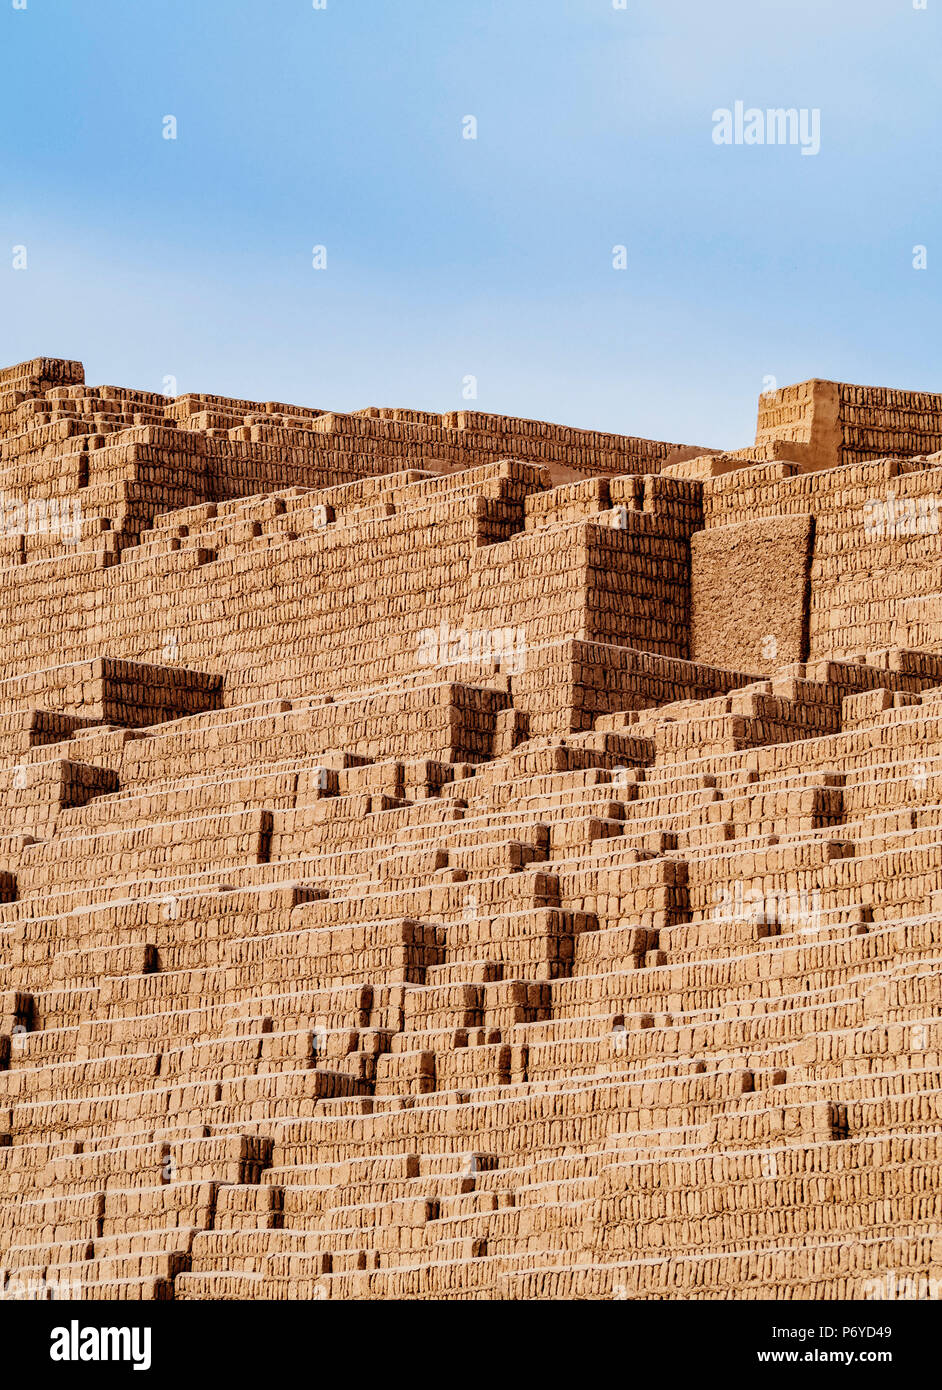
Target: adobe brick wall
column 420, row 877
column 826, row 424
column 750, row 585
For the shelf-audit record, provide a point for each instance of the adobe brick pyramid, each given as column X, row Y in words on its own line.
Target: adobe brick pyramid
column 458, row 856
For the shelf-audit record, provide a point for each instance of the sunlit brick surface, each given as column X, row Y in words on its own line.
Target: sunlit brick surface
column 461, row 857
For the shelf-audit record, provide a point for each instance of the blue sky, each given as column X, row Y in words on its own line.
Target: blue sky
column 150, row 258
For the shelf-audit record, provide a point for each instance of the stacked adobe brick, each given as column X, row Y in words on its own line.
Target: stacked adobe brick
column 455, row 856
